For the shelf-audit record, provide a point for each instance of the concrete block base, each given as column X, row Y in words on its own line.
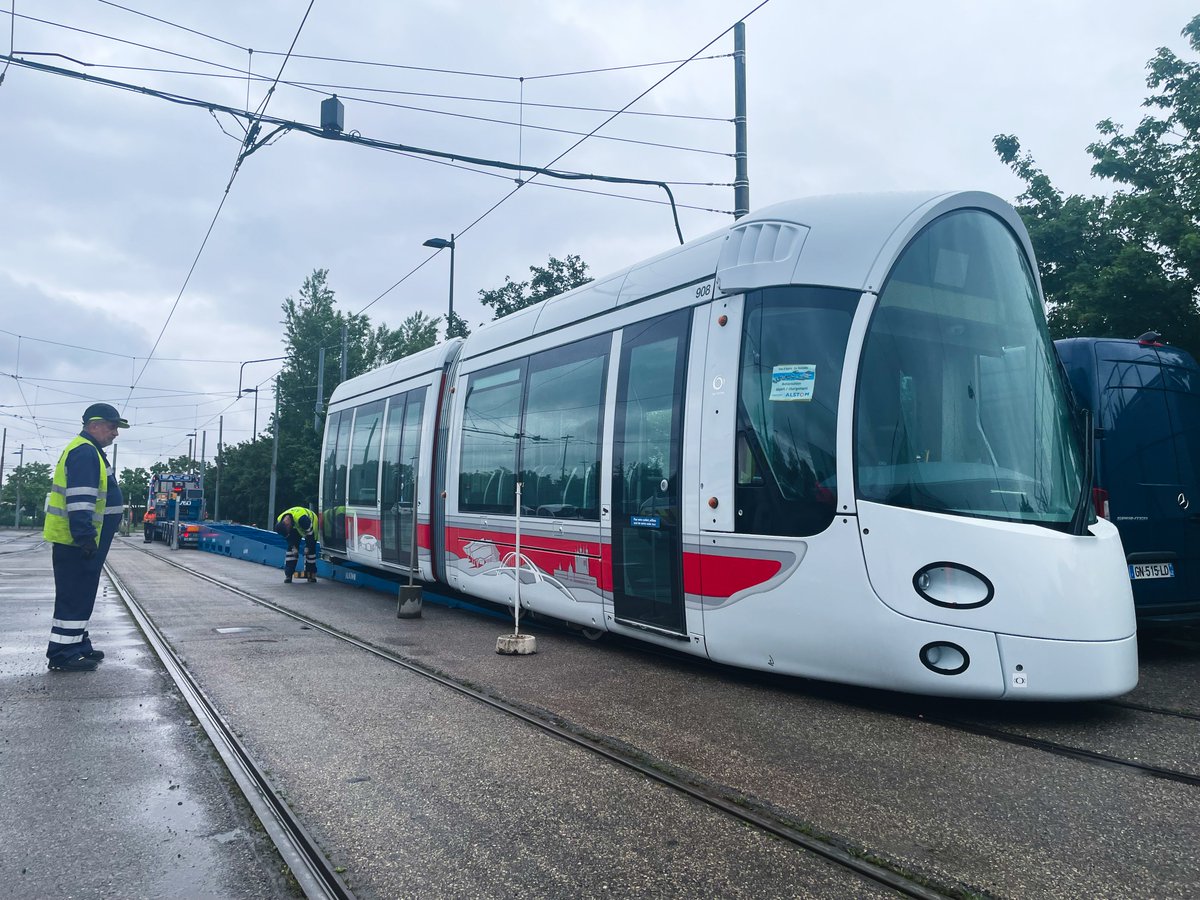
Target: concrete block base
column 516, row 644
column 410, row 603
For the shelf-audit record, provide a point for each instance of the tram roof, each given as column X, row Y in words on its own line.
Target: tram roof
column 836, row 240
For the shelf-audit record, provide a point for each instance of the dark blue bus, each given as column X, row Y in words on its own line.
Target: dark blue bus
column 1145, row 401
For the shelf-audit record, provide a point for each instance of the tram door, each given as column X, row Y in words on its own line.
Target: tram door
column 647, row 545
column 402, row 442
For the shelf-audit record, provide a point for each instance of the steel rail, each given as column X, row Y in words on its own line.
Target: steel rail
column 1157, row 710
column 726, row 801
column 307, row 864
column 1080, row 754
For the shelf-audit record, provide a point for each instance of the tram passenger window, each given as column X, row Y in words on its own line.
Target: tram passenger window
column 560, row 445
column 364, row 452
column 491, row 422
column 793, row 347
column 333, row 500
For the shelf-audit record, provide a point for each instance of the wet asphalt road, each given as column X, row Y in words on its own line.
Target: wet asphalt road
column 417, row 791
column 107, row 786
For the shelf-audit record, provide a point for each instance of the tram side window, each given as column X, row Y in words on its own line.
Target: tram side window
column 491, row 420
column 333, row 498
column 364, row 451
column 793, row 348
column 560, row 446
column 329, row 474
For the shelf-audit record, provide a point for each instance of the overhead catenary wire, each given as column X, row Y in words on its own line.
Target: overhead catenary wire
column 523, row 183
column 321, row 87
column 363, row 62
column 253, row 143
column 12, row 28
column 247, row 148
column 250, row 146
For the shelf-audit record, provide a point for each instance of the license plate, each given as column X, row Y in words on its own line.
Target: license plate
column 1152, row 570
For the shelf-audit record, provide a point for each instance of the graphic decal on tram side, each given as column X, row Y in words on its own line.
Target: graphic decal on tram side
column 569, row 565
column 367, row 533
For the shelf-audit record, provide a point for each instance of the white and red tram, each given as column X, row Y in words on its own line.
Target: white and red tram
column 830, row 440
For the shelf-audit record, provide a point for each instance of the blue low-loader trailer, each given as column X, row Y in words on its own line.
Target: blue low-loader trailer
column 171, row 493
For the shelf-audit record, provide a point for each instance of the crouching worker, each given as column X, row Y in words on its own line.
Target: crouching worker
column 299, row 524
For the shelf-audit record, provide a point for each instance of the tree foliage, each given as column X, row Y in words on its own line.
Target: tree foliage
column 31, row 482
column 558, row 276
column 135, row 487
column 1129, row 262
column 311, row 321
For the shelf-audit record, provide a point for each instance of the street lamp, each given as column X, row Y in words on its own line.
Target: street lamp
column 442, row 244
column 253, row 391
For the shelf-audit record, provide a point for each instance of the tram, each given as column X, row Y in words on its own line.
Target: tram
column 831, row 440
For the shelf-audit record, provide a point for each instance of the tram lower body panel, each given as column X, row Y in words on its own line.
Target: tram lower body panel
column 827, row 620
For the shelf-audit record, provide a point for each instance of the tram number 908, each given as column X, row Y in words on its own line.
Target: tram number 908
column 704, row 290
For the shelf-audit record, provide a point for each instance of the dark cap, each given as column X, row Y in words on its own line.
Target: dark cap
column 104, row 412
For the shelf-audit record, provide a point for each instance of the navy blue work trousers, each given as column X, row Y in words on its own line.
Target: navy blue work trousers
column 76, row 581
column 292, row 557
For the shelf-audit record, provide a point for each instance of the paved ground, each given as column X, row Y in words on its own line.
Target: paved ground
column 959, row 808
column 110, row 789
column 416, row 791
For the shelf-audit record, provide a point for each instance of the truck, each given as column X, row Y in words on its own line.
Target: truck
column 173, row 493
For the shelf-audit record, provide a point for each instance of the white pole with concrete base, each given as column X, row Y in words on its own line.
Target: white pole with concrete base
column 517, row 644
column 412, row 597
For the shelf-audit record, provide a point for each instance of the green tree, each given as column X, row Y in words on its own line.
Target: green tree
column 311, row 321
column 384, row 345
column 31, row 482
column 245, row 482
column 1130, row 262
column 457, row 326
column 135, row 486
column 556, row 277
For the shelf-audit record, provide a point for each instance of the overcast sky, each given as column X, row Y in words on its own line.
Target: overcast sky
column 107, row 194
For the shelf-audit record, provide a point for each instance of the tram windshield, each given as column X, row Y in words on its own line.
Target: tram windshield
column 961, row 408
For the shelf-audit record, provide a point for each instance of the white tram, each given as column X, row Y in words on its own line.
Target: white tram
column 830, row 440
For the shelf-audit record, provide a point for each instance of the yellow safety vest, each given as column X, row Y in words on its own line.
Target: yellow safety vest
column 60, row 502
column 296, row 512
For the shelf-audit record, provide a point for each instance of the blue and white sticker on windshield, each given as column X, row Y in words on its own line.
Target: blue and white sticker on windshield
column 793, row 382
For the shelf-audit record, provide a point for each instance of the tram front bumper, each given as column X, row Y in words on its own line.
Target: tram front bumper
column 1040, row 669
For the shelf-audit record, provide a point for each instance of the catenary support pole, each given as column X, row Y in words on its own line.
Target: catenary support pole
column 274, row 461
column 318, row 406
column 345, row 344
column 741, row 178
column 217, row 487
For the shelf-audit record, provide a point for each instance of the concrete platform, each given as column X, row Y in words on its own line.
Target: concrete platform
column 109, row 788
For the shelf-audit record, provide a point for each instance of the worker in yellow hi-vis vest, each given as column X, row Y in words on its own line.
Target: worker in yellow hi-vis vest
column 299, row 524
column 83, row 512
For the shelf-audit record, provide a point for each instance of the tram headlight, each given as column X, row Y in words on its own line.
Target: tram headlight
column 953, row 585
column 945, row 658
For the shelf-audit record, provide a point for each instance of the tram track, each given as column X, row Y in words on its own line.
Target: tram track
column 725, row 799
column 314, row 873
column 905, row 707
column 1156, row 710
